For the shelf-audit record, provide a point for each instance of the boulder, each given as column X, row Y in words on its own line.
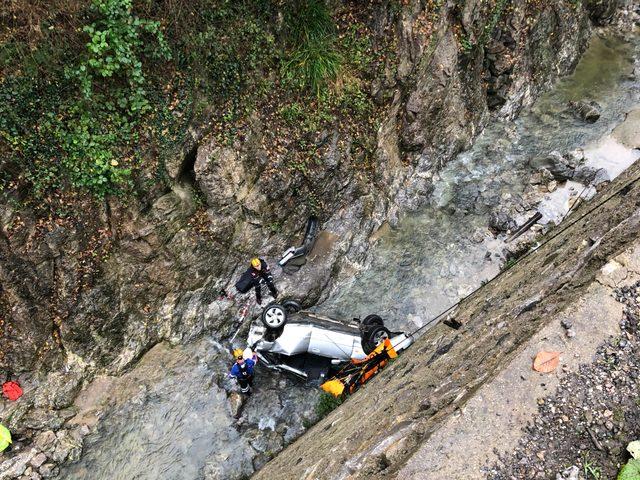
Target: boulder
column 587, row 111
column 38, row 460
column 501, row 222
column 571, row 473
column 16, row 465
column 59, row 391
column 45, row 440
column 43, row 419
column 34, row 476
column 466, row 195
column 591, row 176
column 235, row 403
column 49, row 470
column 265, row 441
column 560, row 167
column 67, row 448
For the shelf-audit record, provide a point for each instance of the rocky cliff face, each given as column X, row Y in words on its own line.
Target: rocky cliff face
column 92, row 291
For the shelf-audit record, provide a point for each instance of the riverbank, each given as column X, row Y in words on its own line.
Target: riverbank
column 556, row 419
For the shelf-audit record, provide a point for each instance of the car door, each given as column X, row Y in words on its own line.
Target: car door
column 293, row 340
column 331, row 343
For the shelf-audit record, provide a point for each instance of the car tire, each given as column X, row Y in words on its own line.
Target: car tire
column 274, row 316
column 371, row 320
column 291, row 306
column 374, row 337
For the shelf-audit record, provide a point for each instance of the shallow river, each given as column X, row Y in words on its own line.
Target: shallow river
column 176, row 423
column 440, row 254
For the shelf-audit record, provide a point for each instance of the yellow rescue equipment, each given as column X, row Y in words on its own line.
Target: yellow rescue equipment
column 5, row 437
column 334, row 386
column 237, row 353
column 358, row 372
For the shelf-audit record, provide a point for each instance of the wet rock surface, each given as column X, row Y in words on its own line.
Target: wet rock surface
column 592, row 417
column 177, row 415
column 587, row 111
column 559, row 167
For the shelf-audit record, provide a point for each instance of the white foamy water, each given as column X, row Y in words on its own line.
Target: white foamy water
column 610, row 154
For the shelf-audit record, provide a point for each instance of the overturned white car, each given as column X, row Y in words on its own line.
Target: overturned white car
column 312, row 346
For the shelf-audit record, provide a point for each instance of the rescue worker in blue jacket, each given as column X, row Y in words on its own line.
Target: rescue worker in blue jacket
column 260, row 272
column 242, row 371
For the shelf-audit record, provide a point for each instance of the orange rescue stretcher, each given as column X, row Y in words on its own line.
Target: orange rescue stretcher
column 358, row 372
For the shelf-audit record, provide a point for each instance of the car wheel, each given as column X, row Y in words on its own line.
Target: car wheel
column 274, row 316
column 373, row 320
column 374, row 337
column 291, row 306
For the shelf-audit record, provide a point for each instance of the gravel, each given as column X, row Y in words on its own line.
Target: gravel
column 586, row 426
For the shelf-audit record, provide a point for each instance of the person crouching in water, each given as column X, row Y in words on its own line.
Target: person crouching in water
column 242, row 371
column 260, row 271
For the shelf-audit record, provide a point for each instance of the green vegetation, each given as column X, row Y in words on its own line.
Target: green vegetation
column 326, row 404
column 292, row 113
column 227, row 49
column 346, row 93
column 514, row 257
column 275, row 227
column 64, row 128
column 466, row 44
column 313, row 59
column 509, row 263
column 631, row 470
column 495, row 16
column 591, row 470
column 94, row 93
column 116, row 44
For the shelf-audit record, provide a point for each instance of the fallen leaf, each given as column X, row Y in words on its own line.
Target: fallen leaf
column 546, row 362
column 634, row 449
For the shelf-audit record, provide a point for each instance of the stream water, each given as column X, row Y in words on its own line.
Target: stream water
column 178, row 424
column 443, row 252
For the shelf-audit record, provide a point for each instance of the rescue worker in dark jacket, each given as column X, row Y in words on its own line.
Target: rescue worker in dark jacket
column 242, row 371
column 260, row 271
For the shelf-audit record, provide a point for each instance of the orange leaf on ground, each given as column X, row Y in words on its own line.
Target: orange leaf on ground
column 546, row 362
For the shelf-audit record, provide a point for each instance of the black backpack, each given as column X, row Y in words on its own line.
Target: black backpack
column 246, row 281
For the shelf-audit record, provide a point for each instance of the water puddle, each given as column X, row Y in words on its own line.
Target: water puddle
column 611, row 155
column 555, row 206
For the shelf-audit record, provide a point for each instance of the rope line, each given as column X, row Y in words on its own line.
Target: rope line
column 576, row 204
column 497, row 276
column 554, row 236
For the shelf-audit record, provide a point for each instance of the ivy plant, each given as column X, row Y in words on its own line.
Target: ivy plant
column 117, row 40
